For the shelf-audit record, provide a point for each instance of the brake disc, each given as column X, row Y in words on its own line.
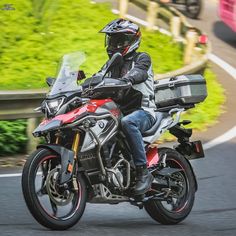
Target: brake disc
column 61, row 198
column 179, row 179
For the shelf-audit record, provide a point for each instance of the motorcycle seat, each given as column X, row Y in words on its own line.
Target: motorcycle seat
column 159, row 117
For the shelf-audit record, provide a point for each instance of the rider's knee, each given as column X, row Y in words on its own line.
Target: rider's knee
column 125, row 122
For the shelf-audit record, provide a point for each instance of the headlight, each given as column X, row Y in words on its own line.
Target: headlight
column 54, row 105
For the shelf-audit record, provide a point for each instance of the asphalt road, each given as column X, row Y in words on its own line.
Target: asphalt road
column 214, row 212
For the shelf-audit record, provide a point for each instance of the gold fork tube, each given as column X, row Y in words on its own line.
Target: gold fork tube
column 57, row 140
column 75, row 145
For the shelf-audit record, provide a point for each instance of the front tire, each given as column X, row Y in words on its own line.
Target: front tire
column 160, row 211
column 46, row 200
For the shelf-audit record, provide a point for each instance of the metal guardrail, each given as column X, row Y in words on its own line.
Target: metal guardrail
column 20, row 104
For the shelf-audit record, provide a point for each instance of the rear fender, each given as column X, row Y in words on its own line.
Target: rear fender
column 194, row 176
column 191, row 169
column 67, row 157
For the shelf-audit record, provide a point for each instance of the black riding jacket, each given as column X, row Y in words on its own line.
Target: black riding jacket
column 137, row 69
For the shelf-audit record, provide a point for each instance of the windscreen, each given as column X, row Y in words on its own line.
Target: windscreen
column 67, row 75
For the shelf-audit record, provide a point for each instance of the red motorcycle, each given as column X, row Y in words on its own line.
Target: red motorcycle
column 86, row 157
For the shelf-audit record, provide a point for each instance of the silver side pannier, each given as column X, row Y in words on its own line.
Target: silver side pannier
column 180, row 90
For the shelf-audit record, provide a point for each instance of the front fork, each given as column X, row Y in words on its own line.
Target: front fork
column 68, row 157
column 72, row 167
column 75, row 147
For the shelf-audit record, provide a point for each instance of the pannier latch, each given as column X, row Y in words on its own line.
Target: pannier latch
column 173, row 78
column 172, row 85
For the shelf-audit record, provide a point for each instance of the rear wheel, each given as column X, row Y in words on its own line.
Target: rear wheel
column 180, row 201
column 54, row 206
column 193, row 8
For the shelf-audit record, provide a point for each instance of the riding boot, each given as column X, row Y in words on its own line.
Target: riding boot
column 143, row 180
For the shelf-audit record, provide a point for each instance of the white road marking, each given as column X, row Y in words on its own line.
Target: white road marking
column 221, row 139
column 15, row 175
column 223, row 64
column 10, row 175
column 230, row 134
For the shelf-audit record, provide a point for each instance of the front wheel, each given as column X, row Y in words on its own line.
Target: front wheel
column 54, row 206
column 178, row 206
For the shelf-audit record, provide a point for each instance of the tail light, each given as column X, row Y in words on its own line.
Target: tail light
column 203, row 39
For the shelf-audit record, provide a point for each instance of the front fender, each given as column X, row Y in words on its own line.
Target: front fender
column 48, row 126
column 67, row 157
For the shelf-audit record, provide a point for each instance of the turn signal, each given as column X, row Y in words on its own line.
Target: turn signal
column 70, row 168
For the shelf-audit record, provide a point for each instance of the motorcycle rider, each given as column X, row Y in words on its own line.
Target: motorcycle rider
column 138, row 105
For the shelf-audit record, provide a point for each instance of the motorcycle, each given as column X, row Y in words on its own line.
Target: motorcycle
column 191, row 8
column 87, row 159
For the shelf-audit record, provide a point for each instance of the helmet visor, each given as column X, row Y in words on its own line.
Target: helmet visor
column 117, row 41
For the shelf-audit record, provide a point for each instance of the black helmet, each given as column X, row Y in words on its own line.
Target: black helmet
column 121, row 36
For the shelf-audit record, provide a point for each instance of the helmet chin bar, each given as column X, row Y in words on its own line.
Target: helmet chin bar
column 111, row 52
column 133, row 47
column 124, row 51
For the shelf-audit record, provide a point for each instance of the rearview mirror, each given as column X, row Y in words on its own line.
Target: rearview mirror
column 50, row 81
column 81, row 75
column 116, row 59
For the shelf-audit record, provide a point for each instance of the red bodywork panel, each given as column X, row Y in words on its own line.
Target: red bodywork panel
column 91, row 106
column 152, row 156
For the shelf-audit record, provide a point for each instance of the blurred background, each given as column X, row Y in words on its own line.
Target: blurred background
column 182, row 37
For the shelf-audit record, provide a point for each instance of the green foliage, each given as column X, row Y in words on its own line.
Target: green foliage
column 12, row 137
column 35, row 35
column 165, row 53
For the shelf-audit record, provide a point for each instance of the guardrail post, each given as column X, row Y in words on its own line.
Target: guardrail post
column 32, row 142
column 152, row 14
column 123, row 7
column 175, row 26
column 191, row 38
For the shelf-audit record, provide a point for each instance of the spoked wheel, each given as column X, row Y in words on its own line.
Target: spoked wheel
column 179, row 202
column 193, row 8
column 52, row 205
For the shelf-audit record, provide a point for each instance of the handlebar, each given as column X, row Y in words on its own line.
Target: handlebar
column 106, row 86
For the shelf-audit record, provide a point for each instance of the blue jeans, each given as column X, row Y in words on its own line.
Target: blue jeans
column 133, row 125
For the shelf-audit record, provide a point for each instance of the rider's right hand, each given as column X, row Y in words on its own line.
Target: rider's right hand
column 92, row 81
